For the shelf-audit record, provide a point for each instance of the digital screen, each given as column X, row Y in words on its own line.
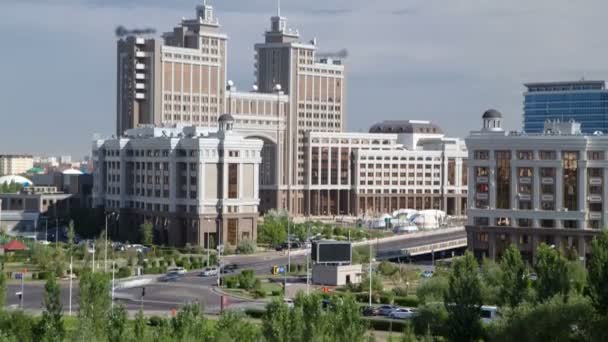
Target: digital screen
column 331, row 252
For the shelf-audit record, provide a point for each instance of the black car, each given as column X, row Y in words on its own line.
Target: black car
column 370, row 311
column 229, row 268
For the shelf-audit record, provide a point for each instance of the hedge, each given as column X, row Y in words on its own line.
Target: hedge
column 255, row 313
column 385, row 324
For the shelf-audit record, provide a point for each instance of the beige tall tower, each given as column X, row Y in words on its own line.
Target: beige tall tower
column 316, row 91
column 180, row 79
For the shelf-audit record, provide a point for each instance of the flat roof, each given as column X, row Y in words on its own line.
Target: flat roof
column 566, row 83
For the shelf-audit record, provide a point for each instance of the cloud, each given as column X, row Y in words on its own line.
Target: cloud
column 425, row 59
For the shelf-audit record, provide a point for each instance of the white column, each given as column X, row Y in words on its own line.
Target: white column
column 492, row 184
column 240, row 180
column 536, row 195
column 582, row 188
column 172, row 181
column 200, row 185
column 514, row 185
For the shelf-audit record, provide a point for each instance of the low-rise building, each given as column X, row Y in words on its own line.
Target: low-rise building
column 525, row 189
column 194, row 185
column 398, row 165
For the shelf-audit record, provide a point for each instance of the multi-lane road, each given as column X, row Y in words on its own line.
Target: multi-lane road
column 162, row 297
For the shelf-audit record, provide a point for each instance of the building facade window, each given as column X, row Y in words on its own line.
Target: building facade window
column 570, row 166
column 503, row 179
column 233, row 181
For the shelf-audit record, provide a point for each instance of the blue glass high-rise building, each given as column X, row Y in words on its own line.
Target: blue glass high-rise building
column 583, row 101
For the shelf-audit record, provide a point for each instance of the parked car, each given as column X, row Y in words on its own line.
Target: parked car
column 209, row 272
column 386, row 310
column 489, row 313
column 402, row 313
column 229, row 268
column 288, row 302
column 178, row 270
column 427, row 274
column 371, row 311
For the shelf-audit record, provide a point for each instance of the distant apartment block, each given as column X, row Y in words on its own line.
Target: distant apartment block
column 182, row 79
column 529, row 188
column 584, row 101
column 193, row 184
column 15, row 164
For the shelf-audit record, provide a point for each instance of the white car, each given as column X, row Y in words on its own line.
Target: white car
column 402, row 313
column 178, row 270
column 288, row 302
column 489, row 313
column 386, row 310
column 209, row 272
column 427, row 274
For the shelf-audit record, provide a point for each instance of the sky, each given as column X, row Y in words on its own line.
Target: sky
column 441, row 60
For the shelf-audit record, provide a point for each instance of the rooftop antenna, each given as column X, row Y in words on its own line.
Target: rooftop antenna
column 278, row 8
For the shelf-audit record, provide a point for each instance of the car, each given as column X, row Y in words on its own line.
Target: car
column 489, row 313
column 386, row 310
column 405, row 229
column 402, row 313
column 178, row 270
column 209, row 272
column 427, row 274
column 170, row 276
column 371, row 311
column 229, row 268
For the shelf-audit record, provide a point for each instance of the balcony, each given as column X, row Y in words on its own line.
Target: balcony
column 547, row 180
column 140, row 66
column 524, row 197
column 595, row 198
column 140, row 86
column 595, row 216
column 481, row 196
column 141, row 54
column 482, row 180
column 140, row 96
column 140, row 41
column 525, row 180
column 139, row 76
column 595, row 181
column 547, row 198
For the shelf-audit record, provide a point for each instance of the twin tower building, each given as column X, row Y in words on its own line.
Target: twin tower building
column 200, row 160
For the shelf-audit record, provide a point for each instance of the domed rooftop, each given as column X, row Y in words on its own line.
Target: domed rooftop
column 491, row 114
column 72, row 172
column 15, row 179
column 225, row 117
column 406, row 126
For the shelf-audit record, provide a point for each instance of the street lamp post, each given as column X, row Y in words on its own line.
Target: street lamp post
column 370, row 274
column 71, row 276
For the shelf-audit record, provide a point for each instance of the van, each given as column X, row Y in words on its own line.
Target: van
column 489, row 313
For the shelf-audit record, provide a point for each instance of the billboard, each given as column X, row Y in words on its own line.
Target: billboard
column 326, row 252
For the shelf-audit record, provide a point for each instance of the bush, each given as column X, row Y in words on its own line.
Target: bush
column 387, row 268
column 231, row 282
column 43, row 275
column 123, row 272
column 385, row 324
column 246, row 247
column 255, row 313
column 433, row 317
column 259, row 293
column 277, row 293
column 432, row 289
column 247, row 280
column 411, row 301
column 155, row 321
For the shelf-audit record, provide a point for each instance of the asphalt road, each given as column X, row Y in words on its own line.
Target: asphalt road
column 162, row 297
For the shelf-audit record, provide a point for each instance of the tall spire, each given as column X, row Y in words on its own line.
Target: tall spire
column 278, row 8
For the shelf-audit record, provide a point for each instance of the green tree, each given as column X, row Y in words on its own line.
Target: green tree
column 514, row 282
column 71, row 234
column 232, row 326
column 246, row 247
column 140, row 326
column 346, row 320
column 146, row 233
column 2, row 285
column 94, row 305
column 463, row 300
column 316, row 325
column 50, row 328
column 491, row 275
column 432, row 318
column 280, row 324
column 273, row 230
column 117, row 321
column 190, row 325
column 553, row 276
column 598, row 274
column 432, row 289
column 408, row 334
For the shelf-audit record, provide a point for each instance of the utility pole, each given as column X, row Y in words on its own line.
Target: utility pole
column 113, row 269
column 307, row 258
column 370, row 274
column 105, row 263
column 71, row 276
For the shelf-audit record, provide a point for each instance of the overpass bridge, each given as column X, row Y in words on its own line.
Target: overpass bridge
column 442, row 242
